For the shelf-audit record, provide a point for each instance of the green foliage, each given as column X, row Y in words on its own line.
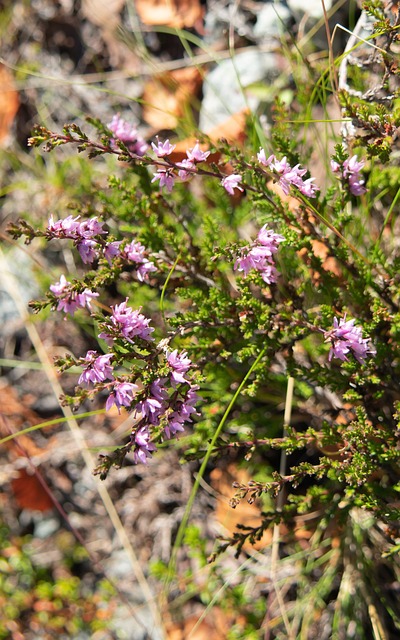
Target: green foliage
column 338, row 260
column 35, row 601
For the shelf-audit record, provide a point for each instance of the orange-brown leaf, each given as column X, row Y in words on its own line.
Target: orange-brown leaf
column 166, row 97
column 173, row 13
column 9, row 101
column 29, row 493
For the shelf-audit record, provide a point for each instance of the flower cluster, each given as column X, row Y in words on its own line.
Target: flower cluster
column 288, row 175
column 345, row 337
column 135, row 252
column 126, row 323
column 87, row 236
column 68, row 299
column 350, row 172
column 128, row 134
column 186, row 168
column 259, row 255
column 167, row 403
column 83, row 234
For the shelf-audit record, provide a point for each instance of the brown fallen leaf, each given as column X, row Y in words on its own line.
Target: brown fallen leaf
column 29, row 493
column 173, row 13
column 9, row 101
column 166, row 97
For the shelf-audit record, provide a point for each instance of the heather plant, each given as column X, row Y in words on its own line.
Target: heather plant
column 217, row 281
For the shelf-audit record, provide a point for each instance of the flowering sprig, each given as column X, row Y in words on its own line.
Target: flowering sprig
column 70, row 300
column 344, row 338
column 185, row 169
column 287, row 175
column 162, row 406
column 259, row 255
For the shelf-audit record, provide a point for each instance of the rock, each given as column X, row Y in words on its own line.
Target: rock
column 224, row 87
column 272, row 20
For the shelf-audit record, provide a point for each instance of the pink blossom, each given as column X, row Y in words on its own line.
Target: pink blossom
column 89, row 228
column 70, row 300
column 66, row 228
column 128, row 134
column 232, row 182
column 151, row 408
column 186, row 169
column 289, row 176
column 87, row 251
column 180, row 364
column 97, row 368
column 268, row 238
column 184, row 409
column 134, row 251
column 121, row 395
column 111, row 250
column 350, row 172
column 166, row 178
column 263, row 160
column 196, row 154
column 126, row 323
column 162, row 149
column 144, row 269
column 142, row 445
column 259, row 255
column 345, row 337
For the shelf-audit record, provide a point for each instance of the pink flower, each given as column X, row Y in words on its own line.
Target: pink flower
column 288, row 175
column 179, row 364
column 128, row 134
column 89, row 228
column 70, row 300
column 196, row 154
column 126, row 323
column 268, row 238
column 121, row 395
column 232, row 182
column 97, row 368
column 66, row 228
column 184, row 409
column 144, row 269
column 259, row 255
column 162, row 149
column 134, row 251
column 345, row 337
column 87, row 251
column 166, row 178
column 111, row 250
column 186, row 169
column 350, row 172
column 263, row 160
column 143, row 448
column 151, row 408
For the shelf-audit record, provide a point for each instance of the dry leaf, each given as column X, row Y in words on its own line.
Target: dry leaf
column 9, row 101
column 245, row 513
column 173, row 13
column 166, row 97
column 29, row 492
